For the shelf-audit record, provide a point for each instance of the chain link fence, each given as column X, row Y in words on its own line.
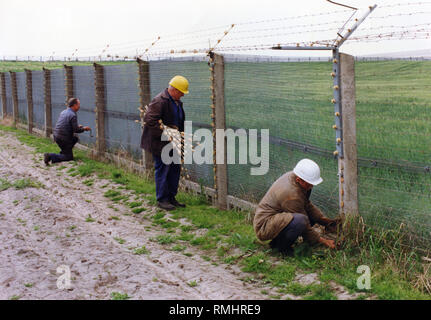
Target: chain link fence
column 293, row 101
column 196, row 104
column 9, row 103
column 22, row 97
column 38, row 99
column 122, row 132
column 83, row 86
column 394, row 145
column 58, row 98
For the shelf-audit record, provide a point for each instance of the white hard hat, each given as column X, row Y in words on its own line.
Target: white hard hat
column 309, row 171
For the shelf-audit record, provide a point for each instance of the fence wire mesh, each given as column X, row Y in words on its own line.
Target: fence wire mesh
column 196, row 104
column 22, row 96
column 38, row 99
column 83, row 86
column 58, row 94
column 122, row 132
column 394, row 145
column 292, row 100
column 9, row 102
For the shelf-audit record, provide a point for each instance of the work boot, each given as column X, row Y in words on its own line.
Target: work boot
column 46, row 158
column 177, row 204
column 273, row 244
column 165, row 205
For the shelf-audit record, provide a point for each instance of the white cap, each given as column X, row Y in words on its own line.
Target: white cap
column 309, row 171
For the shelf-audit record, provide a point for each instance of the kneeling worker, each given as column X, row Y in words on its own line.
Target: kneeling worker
column 64, row 133
column 285, row 212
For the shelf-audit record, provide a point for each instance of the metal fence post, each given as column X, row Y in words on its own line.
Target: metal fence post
column 219, row 116
column 69, row 82
column 348, row 164
column 48, row 103
column 29, row 88
column 145, row 99
column 3, row 95
column 99, row 85
column 14, row 97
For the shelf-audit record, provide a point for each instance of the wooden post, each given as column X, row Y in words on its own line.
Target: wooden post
column 29, row 87
column 220, row 174
column 14, row 97
column 48, row 102
column 99, row 85
column 69, row 82
column 348, row 164
column 145, row 99
column 3, row 95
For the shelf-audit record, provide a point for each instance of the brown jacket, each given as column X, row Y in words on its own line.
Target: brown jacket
column 159, row 108
column 275, row 209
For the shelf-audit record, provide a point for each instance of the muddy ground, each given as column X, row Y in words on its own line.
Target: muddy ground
column 43, row 229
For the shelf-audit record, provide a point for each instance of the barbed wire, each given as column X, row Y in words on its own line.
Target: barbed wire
column 399, row 15
column 403, row 4
column 177, row 44
column 313, row 15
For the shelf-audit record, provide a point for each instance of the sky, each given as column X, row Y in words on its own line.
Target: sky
column 94, row 27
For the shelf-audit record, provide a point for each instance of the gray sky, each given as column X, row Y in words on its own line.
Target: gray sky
column 39, row 28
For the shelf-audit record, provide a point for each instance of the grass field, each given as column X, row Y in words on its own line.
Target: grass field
column 293, row 101
column 19, row 66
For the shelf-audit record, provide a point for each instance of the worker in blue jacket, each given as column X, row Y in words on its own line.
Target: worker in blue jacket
column 64, row 133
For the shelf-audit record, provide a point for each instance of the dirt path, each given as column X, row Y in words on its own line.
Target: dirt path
column 42, row 229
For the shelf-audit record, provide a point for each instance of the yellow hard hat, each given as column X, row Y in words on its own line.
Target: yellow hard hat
column 180, row 83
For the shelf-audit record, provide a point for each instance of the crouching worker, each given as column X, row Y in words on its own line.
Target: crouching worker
column 64, row 133
column 285, row 212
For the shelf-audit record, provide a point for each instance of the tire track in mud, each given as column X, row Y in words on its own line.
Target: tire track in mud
column 42, row 229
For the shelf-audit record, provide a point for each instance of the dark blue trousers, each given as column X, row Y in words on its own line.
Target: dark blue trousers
column 285, row 239
column 66, row 153
column 167, row 179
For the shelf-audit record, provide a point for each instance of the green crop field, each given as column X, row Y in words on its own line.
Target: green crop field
column 19, row 66
column 293, row 101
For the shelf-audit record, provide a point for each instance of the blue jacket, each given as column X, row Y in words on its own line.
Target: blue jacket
column 67, row 125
